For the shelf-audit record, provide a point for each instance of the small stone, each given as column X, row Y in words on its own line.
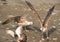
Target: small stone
column 10, row 16
column 54, row 38
column 33, row 37
column 27, row 30
column 41, row 29
column 53, row 13
column 15, row 22
column 7, row 28
column 16, row 8
column 54, row 26
column 40, row 41
column 13, row 25
column 36, row 31
column 0, row 21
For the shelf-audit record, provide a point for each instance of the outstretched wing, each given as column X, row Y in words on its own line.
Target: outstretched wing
column 48, row 16
column 32, row 8
column 15, row 19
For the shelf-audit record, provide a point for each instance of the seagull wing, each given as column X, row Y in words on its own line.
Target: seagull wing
column 35, row 12
column 48, row 16
column 15, row 19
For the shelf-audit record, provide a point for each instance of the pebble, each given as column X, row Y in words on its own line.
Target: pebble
column 10, row 16
column 27, row 30
column 13, row 25
column 54, row 26
column 0, row 21
column 55, row 38
column 54, row 20
column 7, row 28
column 16, row 8
column 36, row 31
column 53, row 13
column 33, row 37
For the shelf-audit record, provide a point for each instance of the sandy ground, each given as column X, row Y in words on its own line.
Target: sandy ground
column 19, row 7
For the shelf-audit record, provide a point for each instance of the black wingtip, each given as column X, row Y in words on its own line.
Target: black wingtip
column 52, row 8
column 4, row 23
column 26, row 1
column 30, row 5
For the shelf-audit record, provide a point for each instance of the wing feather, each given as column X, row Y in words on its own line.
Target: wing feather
column 35, row 12
column 48, row 16
column 15, row 19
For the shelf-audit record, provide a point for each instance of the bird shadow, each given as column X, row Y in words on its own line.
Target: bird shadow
column 33, row 28
column 48, row 33
column 51, row 31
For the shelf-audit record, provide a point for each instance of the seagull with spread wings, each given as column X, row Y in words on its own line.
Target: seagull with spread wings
column 44, row 24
